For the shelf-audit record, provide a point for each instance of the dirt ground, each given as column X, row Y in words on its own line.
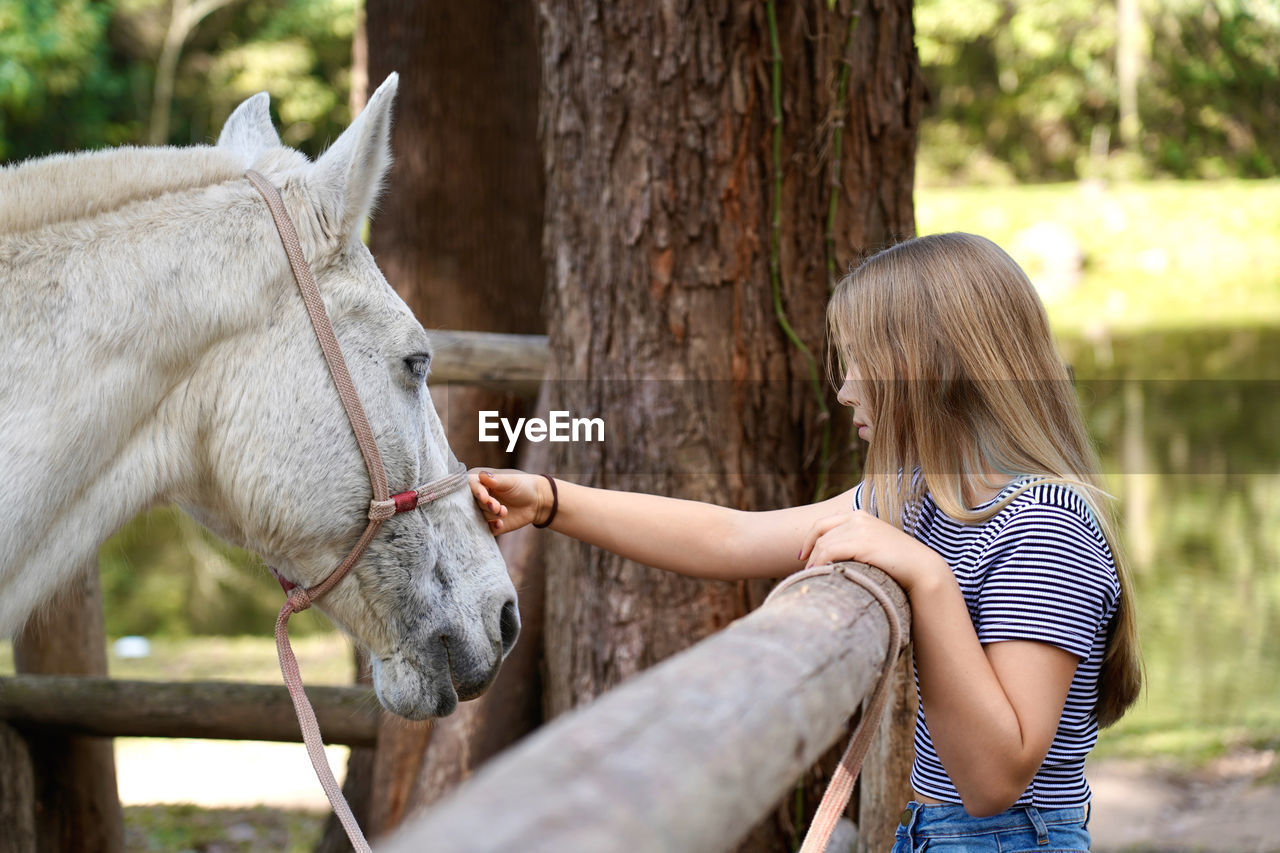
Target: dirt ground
column 221, row 774
column 1232, row 805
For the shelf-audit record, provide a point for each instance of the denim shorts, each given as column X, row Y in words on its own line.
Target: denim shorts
column 950, row 829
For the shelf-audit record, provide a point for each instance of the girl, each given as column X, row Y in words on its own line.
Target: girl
column 982, row 499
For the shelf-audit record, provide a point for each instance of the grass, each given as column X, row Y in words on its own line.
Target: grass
column 166, row 828
column 323, row 659
column 1189, row 745
column 1154, row 255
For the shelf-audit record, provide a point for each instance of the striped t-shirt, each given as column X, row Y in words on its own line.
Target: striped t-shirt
column 1040, row 569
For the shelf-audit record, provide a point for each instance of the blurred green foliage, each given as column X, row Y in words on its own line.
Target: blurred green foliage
column 1027, row 90
column 1195, row 462
column 190, row 827
column 324, row 658
column 165, row 575
column 1020, row 90
column 1152, row 254
column 81, row 74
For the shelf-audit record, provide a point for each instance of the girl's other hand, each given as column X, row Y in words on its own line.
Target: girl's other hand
column 858, row 535
column 509, row 499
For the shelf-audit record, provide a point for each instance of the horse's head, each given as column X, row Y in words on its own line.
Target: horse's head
column 280, row 468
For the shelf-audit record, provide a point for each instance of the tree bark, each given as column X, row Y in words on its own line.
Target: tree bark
column 458, row 233
column 657, row 123
column 77, row 806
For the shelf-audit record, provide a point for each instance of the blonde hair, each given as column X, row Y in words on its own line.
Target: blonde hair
column 962, row 378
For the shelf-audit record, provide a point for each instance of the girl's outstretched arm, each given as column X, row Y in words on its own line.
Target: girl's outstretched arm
column 689, row 537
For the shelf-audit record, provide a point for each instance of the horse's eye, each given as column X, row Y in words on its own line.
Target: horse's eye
column 418, row 365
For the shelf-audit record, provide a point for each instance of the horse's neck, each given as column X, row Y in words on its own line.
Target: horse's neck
column 100, row 337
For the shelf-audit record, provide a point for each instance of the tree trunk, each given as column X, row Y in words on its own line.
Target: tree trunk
column 458, row 233
column 77, row 806
column 459, row 237
column 657, row 123
column 1128, row 65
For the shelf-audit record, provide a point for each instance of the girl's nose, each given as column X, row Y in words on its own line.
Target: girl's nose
column 845, row 395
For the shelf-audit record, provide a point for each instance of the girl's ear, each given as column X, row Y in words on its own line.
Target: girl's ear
column 248, row 131
column 347, row 179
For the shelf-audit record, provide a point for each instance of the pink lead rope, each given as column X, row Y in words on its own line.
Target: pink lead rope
column 840, row 788
column 381, row 507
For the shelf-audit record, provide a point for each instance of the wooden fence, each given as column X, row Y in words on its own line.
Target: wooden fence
column 686, row 757
column 508, row 362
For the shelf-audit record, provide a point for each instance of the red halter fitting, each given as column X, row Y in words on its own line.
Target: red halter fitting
column 380, row 511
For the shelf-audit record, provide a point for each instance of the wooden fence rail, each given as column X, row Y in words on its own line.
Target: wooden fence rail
column 489, row 359
column 107, row 707
column 688, row 756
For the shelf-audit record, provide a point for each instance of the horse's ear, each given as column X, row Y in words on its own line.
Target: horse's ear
column 248, row 132
column 347, row 179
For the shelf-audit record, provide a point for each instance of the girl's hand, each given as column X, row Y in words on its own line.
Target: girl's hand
column 509, row 499
column 858, row 535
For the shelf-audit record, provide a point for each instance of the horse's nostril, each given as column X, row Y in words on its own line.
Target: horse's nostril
column 509, row 625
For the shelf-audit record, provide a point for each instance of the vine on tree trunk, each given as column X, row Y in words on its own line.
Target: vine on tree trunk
column 775, row 229
column 837, row 139
column 775, row 260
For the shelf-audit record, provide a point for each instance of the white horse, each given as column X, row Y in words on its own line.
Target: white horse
column 154, row 348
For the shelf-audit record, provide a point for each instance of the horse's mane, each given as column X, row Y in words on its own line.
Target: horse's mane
column 69, row 187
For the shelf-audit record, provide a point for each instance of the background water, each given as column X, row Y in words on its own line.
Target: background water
column 1165, row 299
column 1187, row 424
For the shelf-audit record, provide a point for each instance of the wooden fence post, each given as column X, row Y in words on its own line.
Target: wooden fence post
column 17, row 794
column 885, row 785
column 77, row 803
